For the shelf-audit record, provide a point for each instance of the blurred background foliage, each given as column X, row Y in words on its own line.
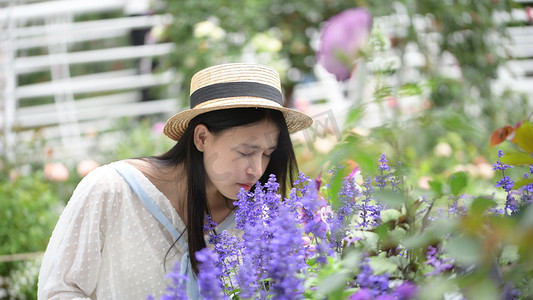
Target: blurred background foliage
column 284, row 34
column 450, row 134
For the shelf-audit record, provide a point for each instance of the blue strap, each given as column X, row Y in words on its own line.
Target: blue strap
column 127, row 172
column 145, row 198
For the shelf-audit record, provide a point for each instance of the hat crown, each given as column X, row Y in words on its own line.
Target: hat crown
column 235, row 72
column 235, row 85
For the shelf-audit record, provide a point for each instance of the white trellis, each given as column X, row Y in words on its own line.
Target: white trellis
column 50, row 25
column 326, row 95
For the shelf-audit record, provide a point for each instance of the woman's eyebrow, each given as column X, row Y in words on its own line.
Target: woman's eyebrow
column 255, row 147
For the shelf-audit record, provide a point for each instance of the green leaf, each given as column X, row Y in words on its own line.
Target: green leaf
column 509, row 254
column 465, row 250
column 355, row 114
column 336, row 186
column 382, row 265
column 391, row 198
column 524, row 136
column 526, row 217
column 517, row 158
column 389, row 215
column 436, row 187
column 458, row 183
column 482, row 289
column 436, row 231
column 520, row 183
column 481, row 204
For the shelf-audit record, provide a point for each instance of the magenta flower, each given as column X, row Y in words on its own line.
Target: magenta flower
column 342, row 38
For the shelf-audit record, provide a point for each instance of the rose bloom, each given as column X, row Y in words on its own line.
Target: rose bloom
column 86, row 166
column 55, row 172
column 423, row 182
column 443, row 150
column 341, row 40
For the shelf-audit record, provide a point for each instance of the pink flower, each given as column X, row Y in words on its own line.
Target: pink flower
column 158, row 127
column 342, row 38
column 306, row 240
column 55, row 172
column 86, row 166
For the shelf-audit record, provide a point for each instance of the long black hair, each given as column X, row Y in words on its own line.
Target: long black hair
column 282, row 163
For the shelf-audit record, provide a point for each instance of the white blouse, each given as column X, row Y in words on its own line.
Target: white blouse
column 107, row 245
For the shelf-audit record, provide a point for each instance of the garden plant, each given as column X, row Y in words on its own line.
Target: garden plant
column 352, row 233
column 347, row 230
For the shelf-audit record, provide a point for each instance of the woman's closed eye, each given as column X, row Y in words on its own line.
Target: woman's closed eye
column 266, row 154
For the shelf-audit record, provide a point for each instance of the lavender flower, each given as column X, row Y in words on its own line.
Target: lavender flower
column 247, row 279
column 349, row 191
column 384, row 177
column 177, row 290
column 439, row 265
column 287, row 259
column 209, row 275
column 456, row 209
column 498, row 165
column 342, row 39
column 376, row 284
column 507, row 184
column 369, row 213
column 406, row 290
column 227, row 249
column 362, row 294
column 272, row 246
column 209, row 223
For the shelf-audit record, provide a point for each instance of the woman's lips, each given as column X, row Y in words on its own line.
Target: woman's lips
column 245, row 186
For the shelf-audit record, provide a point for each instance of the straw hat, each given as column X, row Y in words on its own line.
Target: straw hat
column 234, row 86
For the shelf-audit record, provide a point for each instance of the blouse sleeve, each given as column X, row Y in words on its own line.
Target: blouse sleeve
column 71, row 262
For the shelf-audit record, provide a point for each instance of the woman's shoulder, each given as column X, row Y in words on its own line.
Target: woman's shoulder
column 104, row 178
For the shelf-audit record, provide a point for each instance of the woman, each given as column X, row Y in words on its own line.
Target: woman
column 129, row 221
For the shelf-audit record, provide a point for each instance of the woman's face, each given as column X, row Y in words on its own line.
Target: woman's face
column 236, row 158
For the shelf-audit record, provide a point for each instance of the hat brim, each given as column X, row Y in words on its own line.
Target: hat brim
column 178, row 123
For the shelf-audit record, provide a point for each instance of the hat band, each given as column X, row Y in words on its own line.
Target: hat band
column 235, row 89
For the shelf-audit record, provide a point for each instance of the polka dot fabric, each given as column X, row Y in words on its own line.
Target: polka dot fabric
column 107, row 245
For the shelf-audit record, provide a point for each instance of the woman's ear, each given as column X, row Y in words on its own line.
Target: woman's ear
column 200, row 136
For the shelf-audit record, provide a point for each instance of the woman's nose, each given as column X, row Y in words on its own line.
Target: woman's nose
column 255, row 167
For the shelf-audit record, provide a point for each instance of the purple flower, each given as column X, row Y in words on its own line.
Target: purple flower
column 211, row 286
column 383, row 163
column 227, row 249
column 377, row 284
column 456, row 209
column 500, row 166
column 209, row 223
column 341, row 40
column 439, row 265
column 362, row 294
column 287, row 257
column 369, row 213
column 511, row 204
column 406, row 290
column 247, row 279
column 506, row 183
column 385, row 297
column 176, row 291
column 271, row 248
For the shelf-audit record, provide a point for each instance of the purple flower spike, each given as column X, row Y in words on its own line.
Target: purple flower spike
column 176, row 291
column 209, row 276
column 406, row 290
column 362, row 294
column 342, row 38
